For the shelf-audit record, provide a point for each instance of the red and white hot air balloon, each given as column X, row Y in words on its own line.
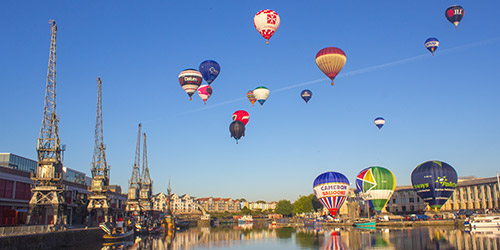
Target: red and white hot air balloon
column 266, row 22
column 190, row 80
column 205, row 91
column 242, row 116
column 330, row 61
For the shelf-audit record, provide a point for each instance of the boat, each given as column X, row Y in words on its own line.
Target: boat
column 115, row 233
column 245, row 219
column 485, row 222
column 365, row 224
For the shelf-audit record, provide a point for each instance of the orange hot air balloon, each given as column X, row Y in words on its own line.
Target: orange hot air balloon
column 251, row 97
column 330, row 61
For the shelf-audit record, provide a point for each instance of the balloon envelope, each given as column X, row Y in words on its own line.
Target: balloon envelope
column 251, row 97
column 379, row 122
column 376, row 185
column 237, row 130
column 266, row 22
column 242, row 116
column 431, row 44
column 330, row 61
column 434, row 182
column 454, row 14
column 306, row 95
column 205, row 91
column 210, row 70
column 261, row 94
column 331, row 189
column 190, row 80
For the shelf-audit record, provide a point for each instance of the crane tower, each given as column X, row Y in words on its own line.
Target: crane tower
column 135, row 181
column 48, row 190
column 146, row 183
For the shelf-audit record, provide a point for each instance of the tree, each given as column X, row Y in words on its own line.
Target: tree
column 303, row 205
column 316, row 203
column 284, row 207
column 246, row 210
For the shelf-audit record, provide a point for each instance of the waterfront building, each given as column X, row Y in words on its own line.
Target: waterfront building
column 219, row 205
column 160, row 202
column 184, row 204
column 15, row 192
column 479, row 194
column 261, row 205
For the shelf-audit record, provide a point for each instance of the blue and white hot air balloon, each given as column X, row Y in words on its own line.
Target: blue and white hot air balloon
column 379, row 122
column 209, row 69
column 432, row 44
column 261, row 94
column 306, row 95
column 331, row 188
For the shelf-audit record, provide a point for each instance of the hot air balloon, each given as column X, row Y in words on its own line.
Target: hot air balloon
column 205, row 91
column 242, row 116
column 376, row 185
column 237, row 130
column 190, row 80
column 434, row 182
column 432, row 44
column 330, row 61
column 210, row 70
column 266, row 22
column 331, row 189
column 306, row 95
column 261, row 94
column 379, row 122
column 251, row 97
column 454, row 14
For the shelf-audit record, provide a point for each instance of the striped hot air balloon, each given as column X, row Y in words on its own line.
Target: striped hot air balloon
column 376, row 185
column 190, row 80
column 379, row 122
column 434, row 182
column 266, row 22
column 330, row 61
column 331, row 188
column 251, row 97
column 205, row 91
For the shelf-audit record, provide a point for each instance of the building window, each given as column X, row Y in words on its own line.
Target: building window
column 394, row 201
column 412, row 200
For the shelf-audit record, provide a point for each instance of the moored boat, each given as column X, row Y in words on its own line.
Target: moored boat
column 485, row 222
column 245, row 219
column 365, row 224
column 115, row 232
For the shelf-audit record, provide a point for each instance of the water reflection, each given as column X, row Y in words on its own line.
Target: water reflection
column 316, row 238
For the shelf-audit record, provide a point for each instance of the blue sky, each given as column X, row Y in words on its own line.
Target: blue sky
column 442, row 107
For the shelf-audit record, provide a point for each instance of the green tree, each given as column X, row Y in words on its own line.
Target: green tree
column 284, row 207
column 303, row 205
column 316, row 203
column 246, row 210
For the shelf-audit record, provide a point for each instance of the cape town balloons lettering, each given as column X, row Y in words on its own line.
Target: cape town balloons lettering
column 266, row 22
column 432, row 44
column 376, row 185
column 331, row 189
column 261, row 94
column 251, row 97
column 379, row 122
column 210, row 70
column 242, row 116
column 434, row 182
column 330, row 61
column 454, row 14
column 237, row 130
column 306, row 95
column 190, row 80
column 205, row 91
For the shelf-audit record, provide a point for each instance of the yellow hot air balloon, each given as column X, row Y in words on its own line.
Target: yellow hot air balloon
column 330, row 61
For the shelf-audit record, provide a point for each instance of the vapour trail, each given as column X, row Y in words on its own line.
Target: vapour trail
column 359, row 71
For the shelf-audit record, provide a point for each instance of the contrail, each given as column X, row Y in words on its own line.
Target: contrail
column 358, row 72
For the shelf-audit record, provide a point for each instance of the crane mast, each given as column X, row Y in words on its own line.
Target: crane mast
column 146, row 183
column 48, row 190
column 99, row 199
column 135, row 181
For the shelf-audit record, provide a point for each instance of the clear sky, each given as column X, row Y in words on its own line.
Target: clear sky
column 442, row 107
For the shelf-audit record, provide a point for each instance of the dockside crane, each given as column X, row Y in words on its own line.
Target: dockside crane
column 133, row 205
column 146, row 183
column 99, row 197
column 47, row 189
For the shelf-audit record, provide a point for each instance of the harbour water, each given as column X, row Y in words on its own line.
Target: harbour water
column 268, row 237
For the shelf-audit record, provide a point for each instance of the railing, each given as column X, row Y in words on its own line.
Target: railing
column 28, row 229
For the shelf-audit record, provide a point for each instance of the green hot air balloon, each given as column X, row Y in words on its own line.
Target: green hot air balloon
column 376, row 185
